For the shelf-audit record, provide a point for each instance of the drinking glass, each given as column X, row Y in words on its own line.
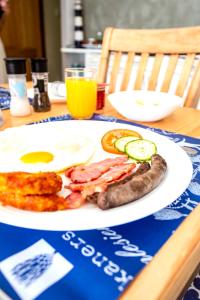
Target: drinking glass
column 81, row 89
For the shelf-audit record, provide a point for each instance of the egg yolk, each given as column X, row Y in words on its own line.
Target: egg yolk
column 37, row 157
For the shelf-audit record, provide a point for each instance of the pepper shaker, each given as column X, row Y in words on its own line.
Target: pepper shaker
column 16, row 70
column 41, row 102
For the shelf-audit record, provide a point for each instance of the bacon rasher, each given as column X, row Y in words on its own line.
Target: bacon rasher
column 113, row 174
column 80, row 191
column 82, row 174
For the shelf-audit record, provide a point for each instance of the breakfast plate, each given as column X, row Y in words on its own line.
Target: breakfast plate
column 90, row 216
column 145, row 106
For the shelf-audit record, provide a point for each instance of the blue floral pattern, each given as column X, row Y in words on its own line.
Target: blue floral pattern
column 31, row 269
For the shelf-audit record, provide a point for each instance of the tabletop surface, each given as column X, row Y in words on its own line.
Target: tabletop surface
column 183, row 120
column 185, row 242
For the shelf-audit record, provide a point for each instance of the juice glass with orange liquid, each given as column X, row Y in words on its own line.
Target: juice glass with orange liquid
column 81, row 89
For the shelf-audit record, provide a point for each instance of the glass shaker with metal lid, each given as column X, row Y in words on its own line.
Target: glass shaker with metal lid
column 41, row 102
column 16, row 70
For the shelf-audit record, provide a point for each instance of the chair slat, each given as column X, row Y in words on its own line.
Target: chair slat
column 127, row 71
column 103, row 65
column 114, row 72
column 186, row 71
column 155, row 71
column 141, row 70
column 173, row 42
column 168, row 41
column 194, row 90
column 169, row 72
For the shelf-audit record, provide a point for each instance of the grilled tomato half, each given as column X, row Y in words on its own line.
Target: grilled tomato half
column 110, row 137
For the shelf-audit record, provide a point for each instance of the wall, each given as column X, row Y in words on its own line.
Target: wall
column 51, row 12
column 99, row 14
column 139, row 14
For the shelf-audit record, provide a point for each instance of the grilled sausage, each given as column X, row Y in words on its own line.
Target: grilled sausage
column 121, row 193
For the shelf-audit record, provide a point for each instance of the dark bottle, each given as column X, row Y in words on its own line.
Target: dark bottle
column 41, row 102
column 78, row 24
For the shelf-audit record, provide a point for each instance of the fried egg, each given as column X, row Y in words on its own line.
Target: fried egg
column 50, row 154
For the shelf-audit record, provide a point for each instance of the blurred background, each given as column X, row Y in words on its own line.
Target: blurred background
column 35, row 28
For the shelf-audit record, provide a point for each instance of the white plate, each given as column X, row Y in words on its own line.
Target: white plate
column 145, row 106
column 89, row 216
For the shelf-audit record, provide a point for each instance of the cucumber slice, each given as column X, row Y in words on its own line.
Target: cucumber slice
column 140, row 149
column 121, row 142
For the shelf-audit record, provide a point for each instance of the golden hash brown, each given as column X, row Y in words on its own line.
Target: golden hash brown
column 23, row 183
column 37, row 203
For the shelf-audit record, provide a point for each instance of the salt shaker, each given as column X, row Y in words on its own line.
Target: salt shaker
column 41, row 100
column 16, row 70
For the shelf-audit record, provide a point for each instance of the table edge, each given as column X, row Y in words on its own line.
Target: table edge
column 170, row 275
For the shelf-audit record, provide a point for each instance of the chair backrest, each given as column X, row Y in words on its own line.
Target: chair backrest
column 172, row 52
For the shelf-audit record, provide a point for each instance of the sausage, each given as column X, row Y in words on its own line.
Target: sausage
column 136, row 187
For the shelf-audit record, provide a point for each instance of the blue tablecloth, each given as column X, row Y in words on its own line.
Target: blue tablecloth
column 5, row 98
column 92, row 264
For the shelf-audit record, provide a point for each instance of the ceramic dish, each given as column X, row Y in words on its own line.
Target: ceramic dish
column 145, row 106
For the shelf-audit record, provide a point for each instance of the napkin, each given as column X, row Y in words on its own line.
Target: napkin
column 56, row 92
column 5, row 98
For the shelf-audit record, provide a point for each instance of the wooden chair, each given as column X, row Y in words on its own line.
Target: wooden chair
column 156, row 45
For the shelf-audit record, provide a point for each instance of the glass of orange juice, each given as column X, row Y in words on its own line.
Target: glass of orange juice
column 81, row 89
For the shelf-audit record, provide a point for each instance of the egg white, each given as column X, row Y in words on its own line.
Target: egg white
column 67, row 152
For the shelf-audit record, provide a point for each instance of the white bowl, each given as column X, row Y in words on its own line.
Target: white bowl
column 145, row 106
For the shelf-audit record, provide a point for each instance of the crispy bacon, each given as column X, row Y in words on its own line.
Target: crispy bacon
column 112, row 175
column 69, row 171
column 82, row 174
column 75, row 200
column 82, row 190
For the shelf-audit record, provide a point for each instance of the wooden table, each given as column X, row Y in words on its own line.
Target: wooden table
column 164, row 277
column 183, row 120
